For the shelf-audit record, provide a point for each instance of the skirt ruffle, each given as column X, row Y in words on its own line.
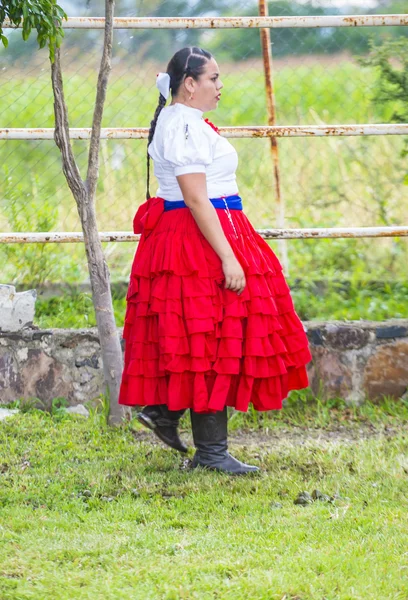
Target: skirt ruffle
column 191, row 343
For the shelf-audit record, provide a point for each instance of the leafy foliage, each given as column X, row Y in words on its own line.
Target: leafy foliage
column 45, row 15
column 390, row 60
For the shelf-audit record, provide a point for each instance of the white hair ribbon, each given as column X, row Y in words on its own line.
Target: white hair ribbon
column 163, row 84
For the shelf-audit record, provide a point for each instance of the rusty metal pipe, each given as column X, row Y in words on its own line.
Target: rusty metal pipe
column 230, row 22
column 271, row 108
column 58, row 237
column 246, row 131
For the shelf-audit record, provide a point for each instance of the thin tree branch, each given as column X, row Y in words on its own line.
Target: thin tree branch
column 104, row 71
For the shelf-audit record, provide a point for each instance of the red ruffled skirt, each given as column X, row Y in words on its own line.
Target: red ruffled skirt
column 191, row 343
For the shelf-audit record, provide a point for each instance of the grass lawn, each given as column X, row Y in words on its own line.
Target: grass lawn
column 88, row 511
column 358, row 301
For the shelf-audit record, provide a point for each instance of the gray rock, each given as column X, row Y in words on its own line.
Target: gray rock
column 16, row 308
column 303, row 499
column 79, row 409
column 7, row 412
column 318, row 495
column 392, row 331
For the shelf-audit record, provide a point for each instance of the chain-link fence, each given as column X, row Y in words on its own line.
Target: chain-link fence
column 327, row 181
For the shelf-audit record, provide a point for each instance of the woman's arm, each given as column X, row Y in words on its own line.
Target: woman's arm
column 194, row 190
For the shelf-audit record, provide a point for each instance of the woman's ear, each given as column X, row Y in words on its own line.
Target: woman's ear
column 189, row 85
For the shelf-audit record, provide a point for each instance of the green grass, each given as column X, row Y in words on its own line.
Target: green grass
column 88, row 511
column 353, row 302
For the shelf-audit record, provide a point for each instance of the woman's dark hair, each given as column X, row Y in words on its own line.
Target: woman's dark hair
column 190, row 62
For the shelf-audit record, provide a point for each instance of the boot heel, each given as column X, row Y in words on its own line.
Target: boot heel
column 146, row 421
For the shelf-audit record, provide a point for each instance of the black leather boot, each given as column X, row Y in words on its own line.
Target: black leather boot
column 163, row 422
column 210, row 440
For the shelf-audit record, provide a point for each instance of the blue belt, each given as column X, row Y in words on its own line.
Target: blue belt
column 233, row 203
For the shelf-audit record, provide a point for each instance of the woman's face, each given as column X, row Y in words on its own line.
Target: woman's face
column 205, row 91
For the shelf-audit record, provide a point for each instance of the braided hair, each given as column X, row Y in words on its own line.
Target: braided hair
column 189, row 61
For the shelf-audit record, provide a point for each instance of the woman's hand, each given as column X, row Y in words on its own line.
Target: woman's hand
column 194, row 189
column 234, row 275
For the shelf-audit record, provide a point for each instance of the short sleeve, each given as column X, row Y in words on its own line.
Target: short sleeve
column 187, row 146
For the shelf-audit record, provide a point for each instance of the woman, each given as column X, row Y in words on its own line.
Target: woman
column 210, row 322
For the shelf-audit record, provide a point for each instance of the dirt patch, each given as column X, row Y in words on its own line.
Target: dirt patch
column 297, row 435
column 302, row 436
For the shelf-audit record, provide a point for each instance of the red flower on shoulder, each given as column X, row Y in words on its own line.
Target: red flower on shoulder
column 212, row 125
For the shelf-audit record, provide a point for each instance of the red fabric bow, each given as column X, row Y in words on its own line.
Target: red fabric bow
column 212, row 125
column 147, row 215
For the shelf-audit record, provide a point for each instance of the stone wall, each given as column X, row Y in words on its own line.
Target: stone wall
column 353, row 360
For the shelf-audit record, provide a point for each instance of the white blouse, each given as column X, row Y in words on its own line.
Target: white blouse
column 184, row 143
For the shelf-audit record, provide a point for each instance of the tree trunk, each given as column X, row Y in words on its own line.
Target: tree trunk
column 84, row 194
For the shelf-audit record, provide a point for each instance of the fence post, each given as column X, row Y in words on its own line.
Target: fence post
column 271, row 107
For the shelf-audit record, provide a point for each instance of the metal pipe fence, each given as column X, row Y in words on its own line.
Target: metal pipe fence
column 30, row 134
column 255, row 22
